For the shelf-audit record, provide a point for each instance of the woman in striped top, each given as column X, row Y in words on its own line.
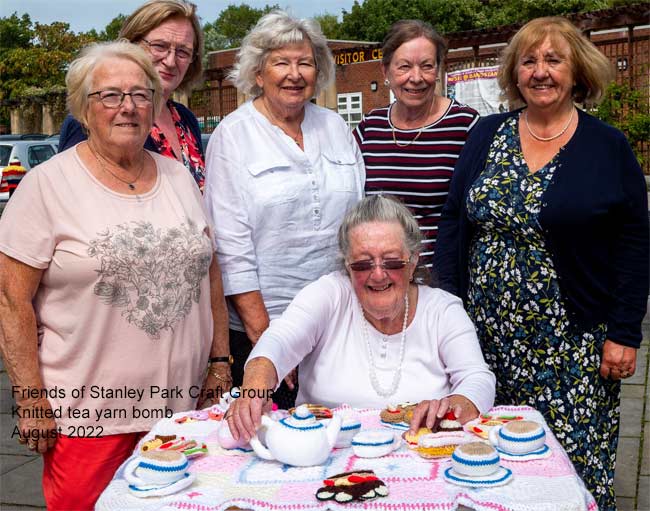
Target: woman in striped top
column 411, row 146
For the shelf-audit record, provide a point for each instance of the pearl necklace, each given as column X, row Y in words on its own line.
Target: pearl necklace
column 373, row 371
column 547, row 139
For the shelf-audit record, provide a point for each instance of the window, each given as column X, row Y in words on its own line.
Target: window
column 350, row 108
column 5, row 152
column 37, row 154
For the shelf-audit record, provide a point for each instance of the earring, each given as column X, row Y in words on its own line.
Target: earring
column 386, row 82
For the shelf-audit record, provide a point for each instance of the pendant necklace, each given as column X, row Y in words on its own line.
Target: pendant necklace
column 547, row 139
column 100, row 162
column 275, row 122
column 382, row 392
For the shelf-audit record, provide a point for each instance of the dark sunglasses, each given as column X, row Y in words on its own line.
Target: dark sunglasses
column 386, row 264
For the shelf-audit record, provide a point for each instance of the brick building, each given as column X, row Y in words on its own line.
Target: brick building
column 622, row 33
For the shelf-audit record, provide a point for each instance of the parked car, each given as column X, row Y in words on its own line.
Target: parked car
column 30, row 152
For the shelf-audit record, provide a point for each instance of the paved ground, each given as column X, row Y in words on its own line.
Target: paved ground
column 20, row 472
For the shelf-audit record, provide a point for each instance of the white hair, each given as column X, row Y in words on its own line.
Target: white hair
column 273, row 31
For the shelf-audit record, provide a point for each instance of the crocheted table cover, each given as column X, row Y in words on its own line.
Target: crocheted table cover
column 224, row 480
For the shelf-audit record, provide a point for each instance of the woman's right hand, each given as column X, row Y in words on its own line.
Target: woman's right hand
column 39, row 434
column 245, row 413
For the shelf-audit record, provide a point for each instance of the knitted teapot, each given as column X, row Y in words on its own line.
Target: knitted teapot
column 298, row 440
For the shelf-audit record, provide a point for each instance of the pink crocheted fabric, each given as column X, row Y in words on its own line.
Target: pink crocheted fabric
column 246, row 481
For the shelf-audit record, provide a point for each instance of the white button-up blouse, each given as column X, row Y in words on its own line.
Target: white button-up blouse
column 276, row 209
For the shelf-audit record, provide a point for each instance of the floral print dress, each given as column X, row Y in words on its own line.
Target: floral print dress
column 539, row 357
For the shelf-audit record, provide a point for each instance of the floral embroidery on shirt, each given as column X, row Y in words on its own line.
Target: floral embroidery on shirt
column 153, row 274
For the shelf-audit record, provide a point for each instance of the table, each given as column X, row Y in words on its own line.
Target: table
column 225, row 480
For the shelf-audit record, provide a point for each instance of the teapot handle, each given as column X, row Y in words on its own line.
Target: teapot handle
column 256, row 444
column 493, row 435
column 129, row 473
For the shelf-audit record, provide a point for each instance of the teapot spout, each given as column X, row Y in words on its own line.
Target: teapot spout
column 333, row 429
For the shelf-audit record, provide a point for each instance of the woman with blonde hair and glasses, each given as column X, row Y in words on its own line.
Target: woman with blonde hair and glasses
column 170, row 32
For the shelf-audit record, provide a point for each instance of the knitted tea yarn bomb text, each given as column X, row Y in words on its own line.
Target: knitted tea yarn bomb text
column 349, row 486
column 475, row 459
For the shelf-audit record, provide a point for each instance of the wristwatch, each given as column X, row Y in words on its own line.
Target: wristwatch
column 229, row 359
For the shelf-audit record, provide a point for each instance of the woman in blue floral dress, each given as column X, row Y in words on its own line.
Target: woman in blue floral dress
column 545, row 236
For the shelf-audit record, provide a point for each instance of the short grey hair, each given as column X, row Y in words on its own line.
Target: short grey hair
column 273, row 31
column 79, row 77
column 380, row 208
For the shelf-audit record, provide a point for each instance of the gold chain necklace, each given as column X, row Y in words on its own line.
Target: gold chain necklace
column 130, row 184
column 275, row 122
column 392, row 127
column 547, row 139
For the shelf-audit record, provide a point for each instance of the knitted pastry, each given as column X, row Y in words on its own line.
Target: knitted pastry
column 397, row 413
column 156, row 442
column 447, row 423
column 439, row 445
column 412, row 440
column 350, row 486
column 319, row 411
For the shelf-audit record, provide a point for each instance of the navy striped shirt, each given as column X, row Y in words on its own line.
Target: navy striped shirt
column 418, row 173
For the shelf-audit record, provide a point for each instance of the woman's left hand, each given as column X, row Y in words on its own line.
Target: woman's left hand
column 617, row 361
column 428, row 412
column 218, row 381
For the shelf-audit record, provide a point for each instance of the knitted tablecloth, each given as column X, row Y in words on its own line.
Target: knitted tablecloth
column 225, row 480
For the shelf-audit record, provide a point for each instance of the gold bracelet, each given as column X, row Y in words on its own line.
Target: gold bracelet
column 221, row 378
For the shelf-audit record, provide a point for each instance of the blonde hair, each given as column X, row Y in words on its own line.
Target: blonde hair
column 151, row 14
column 79, row 77
column 276, row 30
column 592, row 71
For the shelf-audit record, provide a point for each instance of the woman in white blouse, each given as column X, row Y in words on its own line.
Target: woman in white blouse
column 370, row 336
column 281, row 173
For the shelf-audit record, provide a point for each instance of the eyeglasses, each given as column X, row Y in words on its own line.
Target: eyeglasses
column 113, row 99
column 160, row 50
column 386, row 264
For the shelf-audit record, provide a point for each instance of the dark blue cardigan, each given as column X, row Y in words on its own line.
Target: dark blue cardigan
column 72, row 133
column 595, row 219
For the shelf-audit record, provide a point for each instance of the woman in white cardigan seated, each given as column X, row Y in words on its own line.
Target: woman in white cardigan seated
column 370, row 336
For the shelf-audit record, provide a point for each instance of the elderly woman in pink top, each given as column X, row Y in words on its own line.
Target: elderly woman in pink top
column 110, row 297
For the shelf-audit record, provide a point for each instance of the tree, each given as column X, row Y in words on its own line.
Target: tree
column 15, row 32
column 112, row 30
column 232, row 25
column 329, row 24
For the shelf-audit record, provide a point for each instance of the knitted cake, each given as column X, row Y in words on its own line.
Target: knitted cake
column 350, row 486
column 439, row 445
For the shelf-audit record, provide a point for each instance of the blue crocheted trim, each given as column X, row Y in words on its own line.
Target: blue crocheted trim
column 156, row 488
column 309, row 416
column 523, row 439
column 478, row 482
column 158, row 468
column 475, row 463
column 353, row 426
column 300, row 428
column 372, row 443
column 543, row 450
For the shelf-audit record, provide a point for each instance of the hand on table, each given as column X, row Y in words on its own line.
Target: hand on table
column 245, row 413
column 428, row 412
column 617, row 361
column 39, row 434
